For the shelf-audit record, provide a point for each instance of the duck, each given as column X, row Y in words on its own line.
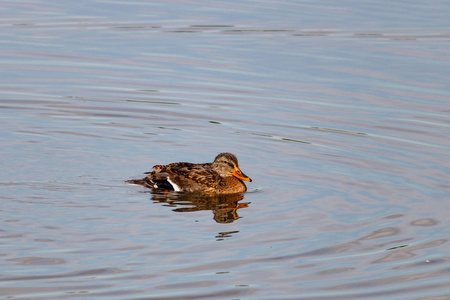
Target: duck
column 222, row 176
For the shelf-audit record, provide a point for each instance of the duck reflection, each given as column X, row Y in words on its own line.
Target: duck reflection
column 224, row 207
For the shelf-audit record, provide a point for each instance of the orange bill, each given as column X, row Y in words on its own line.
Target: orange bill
column 238, row 174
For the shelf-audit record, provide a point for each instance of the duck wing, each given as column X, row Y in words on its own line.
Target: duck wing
column 183, row 176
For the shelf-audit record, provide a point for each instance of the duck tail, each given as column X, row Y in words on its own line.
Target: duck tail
column 137, row 181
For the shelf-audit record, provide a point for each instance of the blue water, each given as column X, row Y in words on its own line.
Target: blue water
column 339, row 112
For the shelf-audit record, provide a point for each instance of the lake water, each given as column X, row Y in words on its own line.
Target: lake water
column 338, row 111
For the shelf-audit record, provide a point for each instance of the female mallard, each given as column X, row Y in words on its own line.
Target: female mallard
column 223, row 176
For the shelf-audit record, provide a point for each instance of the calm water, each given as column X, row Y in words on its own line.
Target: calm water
column 338, row 111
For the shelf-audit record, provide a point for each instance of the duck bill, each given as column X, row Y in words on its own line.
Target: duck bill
column 238, row 174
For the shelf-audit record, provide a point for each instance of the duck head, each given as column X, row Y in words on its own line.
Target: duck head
column 226, row 164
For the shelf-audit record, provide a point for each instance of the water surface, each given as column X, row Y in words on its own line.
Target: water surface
column 338, row 112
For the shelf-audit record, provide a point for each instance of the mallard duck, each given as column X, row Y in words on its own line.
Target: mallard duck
column 223, row 176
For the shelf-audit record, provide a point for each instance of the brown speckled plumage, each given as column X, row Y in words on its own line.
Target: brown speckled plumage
column 222, row 176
